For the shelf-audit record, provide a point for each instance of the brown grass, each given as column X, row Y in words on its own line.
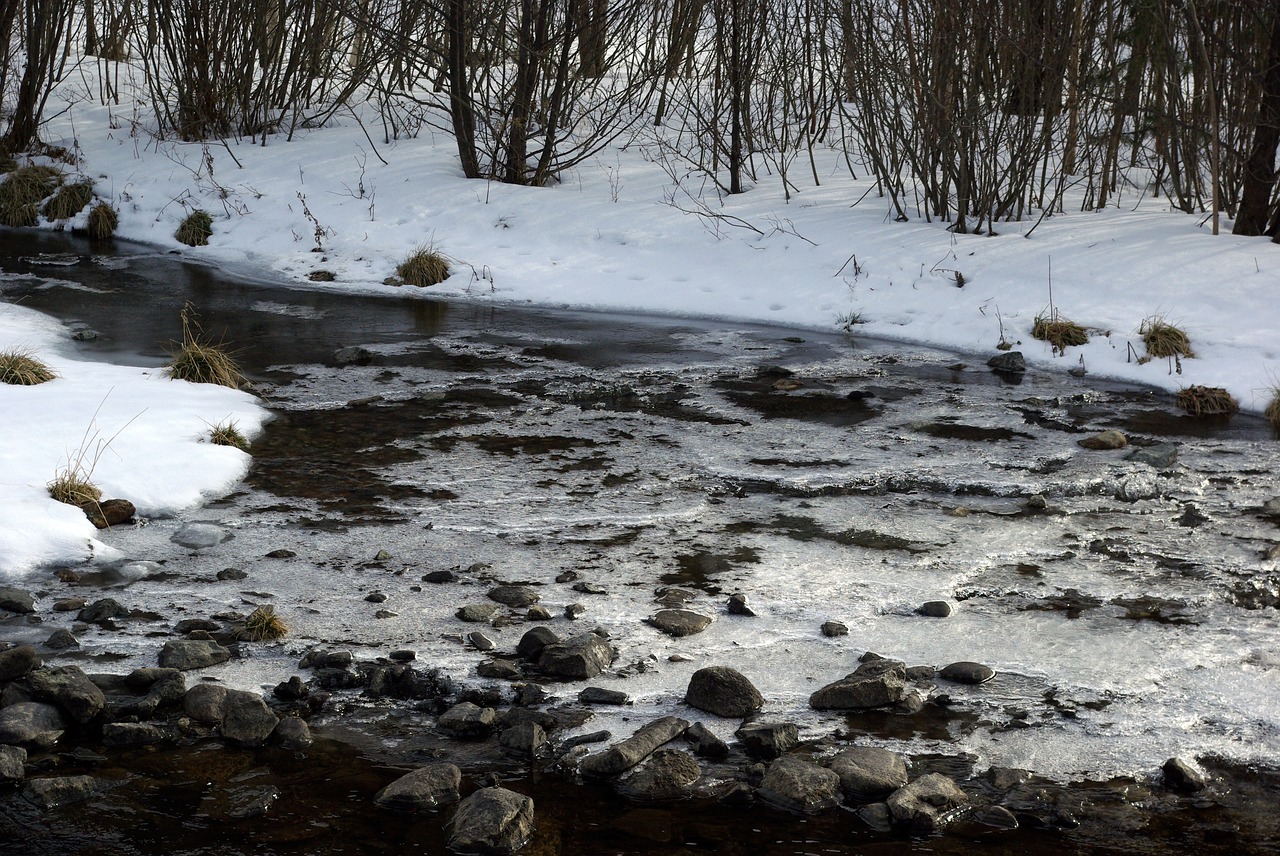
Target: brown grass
column 1207, row 401
column 195, row 230
column 19, row 368
column 198, row 361
column 103, row 220
column 1163, row 339
column 227, row 434
column 69, row 201
column 23, row 190
column 1058, row 332
column 73, row 487
column 263, row 624
column 425, row 267
column 1273, row 410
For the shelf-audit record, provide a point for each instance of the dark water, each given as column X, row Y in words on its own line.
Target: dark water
column 199, row 799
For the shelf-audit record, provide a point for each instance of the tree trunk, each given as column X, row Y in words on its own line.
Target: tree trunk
column 461, row 111
column 1259, row 169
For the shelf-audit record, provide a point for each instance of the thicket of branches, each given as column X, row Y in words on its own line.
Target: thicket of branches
column 971, row 112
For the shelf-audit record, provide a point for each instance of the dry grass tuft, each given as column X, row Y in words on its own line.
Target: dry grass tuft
column 23, row 190
column 103, row 220
column 1058, row 332
column 425, row 267
column 69, row 201
column 72, row 486
column 19, row 368
column 1163, row 339
column 1273, row 409
column 195, row 230
column 263, row 624
column 1207, row 401
column 227, row 434
column 198, row 361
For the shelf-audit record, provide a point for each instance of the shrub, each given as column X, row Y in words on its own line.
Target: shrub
column 198, row 361
column 1163, row 339
column 262, row 624
column 195, row 230
column 19, row 368
column 227, row 434
column 102, row 221
column 425, row 267
column 69, row 201
column 23, row 190
column 1207, row 401
column 1058, row 331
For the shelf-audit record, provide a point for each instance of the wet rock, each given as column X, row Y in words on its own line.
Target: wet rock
column 100, row 611
column 705, row 743
column 927, row 803
column 59, row 790
column 375, row 597
column 1009, row 361
column 532, row 642
column 12, row 763
column 281, row 553
column 439, row 577
column 17, row 600
column 132, row 734
column 601, row 695
column 246, row 718
column 231, row 574
column 320, row 658
column 567, row 576
column 204, row 702
column 187, row 654
column 16, row 662
column 768, row 740
column 868, row 774
column 737, row 605
column 532, row 695
column 500, row 669
column 1037, row 502
column 921, row 673
column 492, row 820
column 625, row 754
column 480, row 641
column 425, row 788
column 198, row 536
column 1161, row 456
column 995, row 817
column 524, row 739
column 70, row 689
column 877, row 816
column 240, row 803
column 1105, row 440
column 68, row 604
column 293, row 733
column 874, row 684
column 675, row 597
column 1271, row 508
column 403, row 655
column 477, row 613
column 468, row 721
column 190, row 625
column 574, row 611
column 833, row 629
column 31, row 723
column 1137, row 486
column 669, row 774
column 723, row 691
column 109, row 512
column 517, row 597
column 1183, row 776
column 935, row 609
column 910, row 704
column 538, row 613
column 965, row 672
column 799, row 786
column 353, row 355
column 578, row 658
column 678, row 622
column 589, row 588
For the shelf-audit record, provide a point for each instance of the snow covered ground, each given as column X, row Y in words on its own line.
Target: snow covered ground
column 615, row 234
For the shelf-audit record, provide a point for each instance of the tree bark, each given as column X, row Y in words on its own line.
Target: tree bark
column 1260, row 169
column 461, row 111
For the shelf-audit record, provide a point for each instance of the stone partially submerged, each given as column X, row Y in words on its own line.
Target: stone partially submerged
column 425, row 788
column 578, row 658
column 868, row 773
column 799, row 786
column 625, row 754
column 928, row 803
column 723, row 691
column 492, row 820
column 874, row 684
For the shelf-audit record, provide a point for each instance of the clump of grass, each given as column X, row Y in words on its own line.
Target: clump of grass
column 103, row 220
column 425, row 267
column 1207, row 401
column 1273, row 409
column 1058, row 331
column 69, row 201
column 23, row 190
column 263, row 624
column 19, row 368
column 7, row 163
column 1163, row 339
column 227, row 434
column 72, row 486
column 195, row 230
column 198, row 361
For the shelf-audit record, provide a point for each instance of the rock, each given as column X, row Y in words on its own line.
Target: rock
column 578, row 658
column 926, row 803
column 468, row 721
column 197, row 536
column 231, row 574
column 678, row 622
column 17, row 600
column 68, row 604
column 204, row 702
column 877, row 816
column 1103, row 441
column 293, row 732
column 965, row 672
column 403, row 655
column 723, row 691
column 874, row 684
column 375, row 597
column 517, row 597
column 574, row 610
column 59, row 790
column 538, row 613
column 100, row 611
column 1181, row 775
column 524, row 739
column 600, row 695
column 799, row 786
column 589, row 588
column 353, row 355
column 31, row 723
column 186, row 654
column 531, row 643
column 238, row 802
column 13, row 761
column 1271, row 508
column 477, row 613
column 625, row 754
column 868, row 774
column 1161, row 456
column 132, row 734
column 705, row 743
column 669, row 774
column 996, row 817
column 1037, row 502
column 246, row 718
column 499, row 669
column 567, row 576
column 425, row 788
column 935, row 609
column 832, row 629
column 70, row 689
column 61, row 639
column 109, row 512
column 480, row 641
column 318, row 658
column 439, row 577
column 1137, row 486
column 492, row 820
column 1009, row 361
column 768, row 739
column 16, row 662
column 737, row 605
column 190, row 625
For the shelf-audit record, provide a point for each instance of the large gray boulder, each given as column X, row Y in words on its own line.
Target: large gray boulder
column 578, row 658
column 799, row 786
column 12, row 763
column 17, row 600
column 468, row 721
column 425, row 788
column 17, row 662
column 869, row 774
column 625, row 754
column 669, row 774
column 186, row 654
column 492, row 820
column 927, row 803
column 723, row 691
column 768, row 740
column 874, row 684
column 59, row 790
column 70, row 689
column 246, row 718
column 678, row 622
column 31, row 723
column 204, row 702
